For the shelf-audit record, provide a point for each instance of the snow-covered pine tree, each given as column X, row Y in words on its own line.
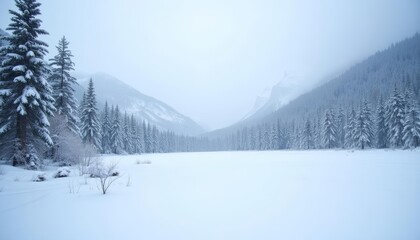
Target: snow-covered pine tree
column 381, row 127
column 363, row 133
column 350, row 141
column 155, row 140
column 26, row 94
column 134, row 134
column 395, row 119
column 147, row 137
column 127, row 141
column 116, row 141
column 106, row 130
column 140, row 134
column 411, row 131
column 62, row 83
column 90, row 129
column 330, row 130
column 341, row 123
column 274, row 138
column 307, row 135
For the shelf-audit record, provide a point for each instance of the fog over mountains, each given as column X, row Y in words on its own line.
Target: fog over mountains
column 132, row 101
column 376, row 76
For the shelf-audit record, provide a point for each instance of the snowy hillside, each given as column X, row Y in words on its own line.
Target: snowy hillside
column 370, row 79
column 272, row 99
column 111, row 89
column 317, row 195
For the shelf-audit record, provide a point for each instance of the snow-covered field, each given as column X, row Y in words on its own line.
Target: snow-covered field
column 223, row 195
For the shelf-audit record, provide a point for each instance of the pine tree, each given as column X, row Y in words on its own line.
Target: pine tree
column 395, row 114
column 116, row 140
column 411, row 131
column 126, row 135
column 330, row 130
column 307, row 135
column 364, row 127
column 381, row 127
column 341, row 122
column 155, row 140
column 134, row 135
column 62, row 83
column 350, row 129
column 25, row 93
column 106, row 130
column 90, row 130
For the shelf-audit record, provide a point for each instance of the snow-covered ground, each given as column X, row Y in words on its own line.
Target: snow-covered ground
column 223, row 195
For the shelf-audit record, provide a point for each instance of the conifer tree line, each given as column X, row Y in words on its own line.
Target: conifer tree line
column 121, row 133
column 39, row 115
column 394, row 123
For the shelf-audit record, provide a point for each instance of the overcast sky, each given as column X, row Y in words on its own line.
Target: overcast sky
column 210, row 59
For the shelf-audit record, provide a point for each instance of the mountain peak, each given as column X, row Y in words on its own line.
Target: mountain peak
column 115, row 92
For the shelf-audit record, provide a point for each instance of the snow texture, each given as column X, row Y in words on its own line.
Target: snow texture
column 323, row 195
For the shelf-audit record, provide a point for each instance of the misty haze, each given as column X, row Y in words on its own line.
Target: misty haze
column 210, row 119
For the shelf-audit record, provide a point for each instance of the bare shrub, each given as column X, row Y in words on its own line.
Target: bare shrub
column 107, row 175
column 67, row 144
column 89, row 157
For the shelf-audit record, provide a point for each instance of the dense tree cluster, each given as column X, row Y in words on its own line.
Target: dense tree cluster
column 40, row 117
column 395, row 124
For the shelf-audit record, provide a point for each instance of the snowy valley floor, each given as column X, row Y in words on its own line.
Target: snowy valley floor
column 224, row 195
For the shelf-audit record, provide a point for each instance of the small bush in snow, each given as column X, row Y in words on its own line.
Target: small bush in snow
column 90, row 158
column 107, row 175
column 62, row 172
column 40, row 177
column 94, row 171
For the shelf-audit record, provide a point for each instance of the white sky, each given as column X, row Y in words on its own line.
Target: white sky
column 210, row 59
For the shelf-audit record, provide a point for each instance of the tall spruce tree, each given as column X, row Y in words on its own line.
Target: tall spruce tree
column 62, row 83
column 411, row 131
column 90, row 129
column 106, row 130
column 341, row 123
column 395, row 115
column 363, row 133
column 116, row 141
column 25, row 93
column 307, row 135
column 350, row 129
column 330, row 130
column 381, row 127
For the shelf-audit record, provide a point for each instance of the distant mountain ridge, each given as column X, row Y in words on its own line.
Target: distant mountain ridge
column 398, row 65
column 153, row 111
column 272, row 99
